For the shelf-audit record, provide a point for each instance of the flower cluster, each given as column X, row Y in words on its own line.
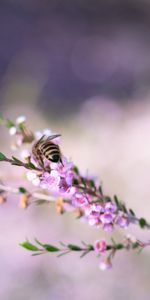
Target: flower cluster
column 70, row 190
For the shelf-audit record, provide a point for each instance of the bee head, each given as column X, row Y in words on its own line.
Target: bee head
column 55, row 158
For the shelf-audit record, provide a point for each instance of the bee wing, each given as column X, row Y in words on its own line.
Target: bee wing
column 54, row 136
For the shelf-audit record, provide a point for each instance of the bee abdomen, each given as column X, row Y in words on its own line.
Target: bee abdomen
column 52, row 153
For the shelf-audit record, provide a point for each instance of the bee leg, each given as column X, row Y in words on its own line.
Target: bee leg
column 61, row 161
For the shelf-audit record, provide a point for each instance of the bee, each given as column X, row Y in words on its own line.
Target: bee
column 45, row 148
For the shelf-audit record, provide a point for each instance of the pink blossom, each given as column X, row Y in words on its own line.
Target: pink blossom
column 63, row 186
column 79, row 200
column 105, row 264
column 122, row 221
column 94, row 221
column 108, row 227
column 100, row 246
column 110, row 207
column 69, row 177
column 106, row 218
column 97, row 207
column 50, row 180
column 62, row 168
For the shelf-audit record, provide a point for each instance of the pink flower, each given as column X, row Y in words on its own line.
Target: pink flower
column 106, row 218
column 94, row 221
column 110, row 207
column 62, row 168
column 100, row 246
column 105, row 264
column 63, row 186
column 69, row 177
column 79, row 200
column 50, row 180
column 108, row 227
column 97, row 207
column 122, row 221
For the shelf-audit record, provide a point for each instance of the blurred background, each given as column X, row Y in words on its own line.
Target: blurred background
column 81, row 68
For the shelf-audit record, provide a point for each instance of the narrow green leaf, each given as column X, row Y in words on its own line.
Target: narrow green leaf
column 132, row 212
column 123, row 207
column 22, row 190
column 17, row 160
column 74, row 247
column 9, row 124
column 84, row 253
column 75, row 181
column 116, row 200
column 92, row 184
column 75, row 169
column 90, row 247
column 27, row 245
column 31, row 166
column 119, row 246
column 142, row 222
column 135, row 245
column 50, row 248
column 2, row 156
column 100, row 190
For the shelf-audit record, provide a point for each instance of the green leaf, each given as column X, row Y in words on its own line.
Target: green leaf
column 2, row 156
column 22, row 190
column 75, row 169
column 50, row 248
column 135, row 245
column 116, row 200
column 92, row 184
column 131, row 212
column 27, row 245
column 142, row 222
column 74, row 247
column 90, row 247
column 119, row 246
column 9, row 124
column 123, row 207
column 75, row 181
column 31, row 166
column 100, row 190
column 17, row 160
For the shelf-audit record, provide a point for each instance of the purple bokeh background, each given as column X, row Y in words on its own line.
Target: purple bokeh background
column 81, row 68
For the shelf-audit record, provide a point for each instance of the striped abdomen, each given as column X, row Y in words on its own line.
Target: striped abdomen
column 51, row 151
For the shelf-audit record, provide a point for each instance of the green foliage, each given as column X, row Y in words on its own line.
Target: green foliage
column 50, row 248
column 75, row 181
column 9, row 124
column 92, row 184
column 74, row 247
column 2, row 157
column 142, row 222
column 27, row 245
column 22, row 190
column 75, row 169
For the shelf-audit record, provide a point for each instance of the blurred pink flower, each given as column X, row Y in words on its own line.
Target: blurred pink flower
column 106, row 218
column 105, row 264
column 110, row 207
column 50, row 180
column 122, row 221
column 100, row 246
column 79, row 200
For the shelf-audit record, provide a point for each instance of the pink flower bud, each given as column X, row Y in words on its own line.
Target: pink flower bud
column 100, row 246
column 105, row 264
